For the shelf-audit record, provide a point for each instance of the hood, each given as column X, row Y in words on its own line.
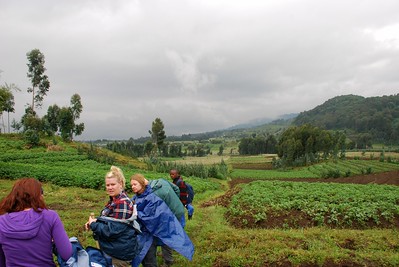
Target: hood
column 22, row 224
column 155, row 185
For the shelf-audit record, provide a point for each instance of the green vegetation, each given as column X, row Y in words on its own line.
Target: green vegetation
column 337, row 205
column 367, row 120
column 327, row 169
column 218, row 241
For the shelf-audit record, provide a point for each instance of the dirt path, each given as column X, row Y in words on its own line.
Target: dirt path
column 391, row 178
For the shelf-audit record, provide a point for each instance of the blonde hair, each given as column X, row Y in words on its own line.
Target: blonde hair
column 117, row 173
column 140, row 179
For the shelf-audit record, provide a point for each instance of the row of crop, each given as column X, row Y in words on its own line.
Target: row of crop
column 86, row 177
column 350, row 167
column 375, row 165
column 338, row 205
column 26, row 156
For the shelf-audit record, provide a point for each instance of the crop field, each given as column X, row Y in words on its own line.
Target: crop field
column 208, row 160
column 268, row 222
column 294, row 204
column 339, row 168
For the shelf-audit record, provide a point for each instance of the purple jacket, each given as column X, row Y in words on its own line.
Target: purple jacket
column 26, row 238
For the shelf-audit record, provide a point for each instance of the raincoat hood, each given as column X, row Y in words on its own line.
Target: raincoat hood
column 21, row 225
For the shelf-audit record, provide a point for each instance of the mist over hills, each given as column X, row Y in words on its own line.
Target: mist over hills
column 374, row 118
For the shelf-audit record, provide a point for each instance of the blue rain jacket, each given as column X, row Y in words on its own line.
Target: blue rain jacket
column 158, row 221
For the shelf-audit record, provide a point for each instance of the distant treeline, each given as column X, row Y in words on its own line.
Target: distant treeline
column 256, row 145
column 133, row 149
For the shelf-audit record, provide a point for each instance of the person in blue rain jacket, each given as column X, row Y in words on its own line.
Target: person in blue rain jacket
column 158, row 225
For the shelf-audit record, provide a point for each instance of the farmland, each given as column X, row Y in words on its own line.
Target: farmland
column 259, row 217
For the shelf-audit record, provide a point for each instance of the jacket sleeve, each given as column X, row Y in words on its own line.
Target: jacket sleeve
column 101, row 230
column 61, row 238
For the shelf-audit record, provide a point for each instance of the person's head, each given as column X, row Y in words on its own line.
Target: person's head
column 115, row 181
column 26, row 193
column 138, row 183
column 174, row 173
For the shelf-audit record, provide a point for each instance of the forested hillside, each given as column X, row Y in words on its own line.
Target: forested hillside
column 375, row 119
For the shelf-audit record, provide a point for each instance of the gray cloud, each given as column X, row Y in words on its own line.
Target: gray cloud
column 199, row 65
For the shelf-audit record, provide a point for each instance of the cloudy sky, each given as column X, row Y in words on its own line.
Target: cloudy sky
column 199, row 65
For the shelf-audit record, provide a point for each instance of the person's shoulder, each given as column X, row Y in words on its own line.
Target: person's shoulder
column 124, row 197
column 49, row 214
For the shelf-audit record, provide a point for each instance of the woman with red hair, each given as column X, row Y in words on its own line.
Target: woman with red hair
column 28, row 230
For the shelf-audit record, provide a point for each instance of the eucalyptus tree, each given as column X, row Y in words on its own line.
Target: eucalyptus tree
column 39, row 80
column 6, row 103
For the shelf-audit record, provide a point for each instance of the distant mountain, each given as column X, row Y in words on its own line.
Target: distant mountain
column 262, row 121
column 372, row 118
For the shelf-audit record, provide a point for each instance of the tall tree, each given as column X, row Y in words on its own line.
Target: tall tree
column 76, row 106
column 6, row 102
column 157, row 133
column 52, row 117
column 40, row 82
column 67, row 119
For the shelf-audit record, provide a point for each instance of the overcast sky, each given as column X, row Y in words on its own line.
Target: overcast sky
column 198, row 65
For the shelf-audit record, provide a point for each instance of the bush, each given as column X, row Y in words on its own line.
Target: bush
column 32, row 137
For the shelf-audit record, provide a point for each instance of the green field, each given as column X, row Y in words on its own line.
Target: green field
column 73, row 186
column 343, row 168
column 335, row 205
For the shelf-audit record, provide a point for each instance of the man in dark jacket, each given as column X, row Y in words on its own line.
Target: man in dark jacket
column 178, row 180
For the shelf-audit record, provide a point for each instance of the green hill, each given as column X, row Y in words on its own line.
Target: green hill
column 375, row 118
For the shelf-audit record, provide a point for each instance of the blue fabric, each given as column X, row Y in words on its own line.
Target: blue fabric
column 190, row 209
column 98, row 257
column 117, row 239
column 158, row 221
column 79, row 255
column 84, row 257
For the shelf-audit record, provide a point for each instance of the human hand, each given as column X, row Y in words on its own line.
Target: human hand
column 91, row 219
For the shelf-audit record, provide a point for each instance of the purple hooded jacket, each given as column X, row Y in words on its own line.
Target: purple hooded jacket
column 26, row 238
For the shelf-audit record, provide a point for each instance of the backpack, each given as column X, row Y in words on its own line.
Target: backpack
column 191, row 193
column 89, row 257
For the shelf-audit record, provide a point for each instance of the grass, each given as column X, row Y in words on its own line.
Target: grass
column 219, row 244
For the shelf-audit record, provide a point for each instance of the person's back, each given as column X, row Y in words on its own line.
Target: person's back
column 184, row 192
column 158, row 224
column 28, row 229
column 29, row 233
column 169, row 193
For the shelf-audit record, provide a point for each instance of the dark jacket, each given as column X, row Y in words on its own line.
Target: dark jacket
column 183, row 190
column 116, row 238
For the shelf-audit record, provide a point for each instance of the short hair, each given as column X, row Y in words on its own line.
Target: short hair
column 175, row 170
column 26, row 193
column 139, row 178
column 117, row 173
